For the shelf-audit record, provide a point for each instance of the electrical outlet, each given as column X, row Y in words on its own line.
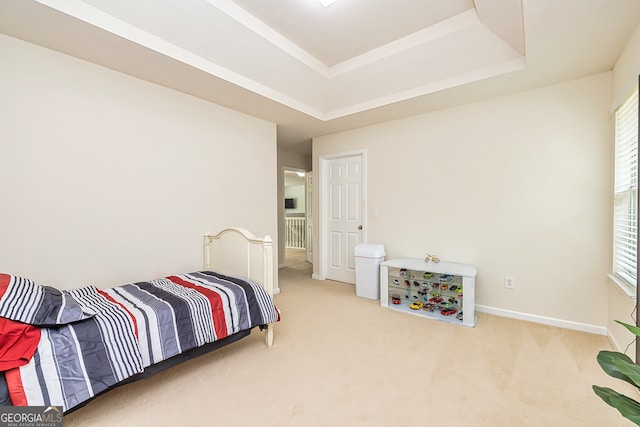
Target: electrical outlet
column 509, row 282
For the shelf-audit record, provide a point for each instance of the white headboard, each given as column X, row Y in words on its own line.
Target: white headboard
column 237, row 252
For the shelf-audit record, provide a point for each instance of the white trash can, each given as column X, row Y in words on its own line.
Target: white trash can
column 368, row 257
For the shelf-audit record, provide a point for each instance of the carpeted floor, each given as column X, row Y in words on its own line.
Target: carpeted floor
column 340, row 360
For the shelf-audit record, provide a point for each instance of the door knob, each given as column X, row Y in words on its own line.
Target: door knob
column 360, row 227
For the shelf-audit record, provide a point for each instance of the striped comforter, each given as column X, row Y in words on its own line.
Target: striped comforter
column 135, row 326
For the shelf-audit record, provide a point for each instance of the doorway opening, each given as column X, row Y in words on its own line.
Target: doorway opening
column 297, row 219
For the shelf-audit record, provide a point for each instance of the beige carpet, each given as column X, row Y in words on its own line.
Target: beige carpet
column 340, row 360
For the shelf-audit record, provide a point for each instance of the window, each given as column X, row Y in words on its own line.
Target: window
column 625, row 192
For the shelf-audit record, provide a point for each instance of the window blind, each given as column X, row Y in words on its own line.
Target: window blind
column 625, row 210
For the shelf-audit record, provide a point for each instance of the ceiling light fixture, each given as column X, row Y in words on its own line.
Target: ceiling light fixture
column 327, row 3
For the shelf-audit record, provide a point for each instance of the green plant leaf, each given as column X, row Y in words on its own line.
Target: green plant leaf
column 619, row 366
column 628, row 407
column 633, row 329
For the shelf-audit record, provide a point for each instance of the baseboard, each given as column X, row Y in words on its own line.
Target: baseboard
column 567, row 324
column 614, row 343
column 317, row 277
column 621, row 348
column 276, row 291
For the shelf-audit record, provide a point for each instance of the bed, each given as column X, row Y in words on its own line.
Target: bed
column 64, row 348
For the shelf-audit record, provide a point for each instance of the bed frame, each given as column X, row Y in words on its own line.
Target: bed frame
column 232, row 251
column 236, row 251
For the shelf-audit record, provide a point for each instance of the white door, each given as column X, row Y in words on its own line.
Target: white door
column 344, row 185
column 309, row 219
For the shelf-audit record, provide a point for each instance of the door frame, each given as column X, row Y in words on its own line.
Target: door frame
column 308, row 215
column 323, row 195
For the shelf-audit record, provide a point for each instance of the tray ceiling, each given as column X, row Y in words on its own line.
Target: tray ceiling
column 315, row 69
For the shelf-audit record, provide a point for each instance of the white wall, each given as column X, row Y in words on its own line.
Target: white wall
column 296, row 192
column 517, row 185
column 627, row 68
column 108, row 179
column 625, row 76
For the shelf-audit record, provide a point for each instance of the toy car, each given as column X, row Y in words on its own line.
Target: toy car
column 427, row 275
column 459, row 315
column 395, row 300
column 429, row 307
column 448, row 311
column 436, row 300
column 417, row 305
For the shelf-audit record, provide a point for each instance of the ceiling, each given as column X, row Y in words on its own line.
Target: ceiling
column 314, row 70
column 293, row 179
